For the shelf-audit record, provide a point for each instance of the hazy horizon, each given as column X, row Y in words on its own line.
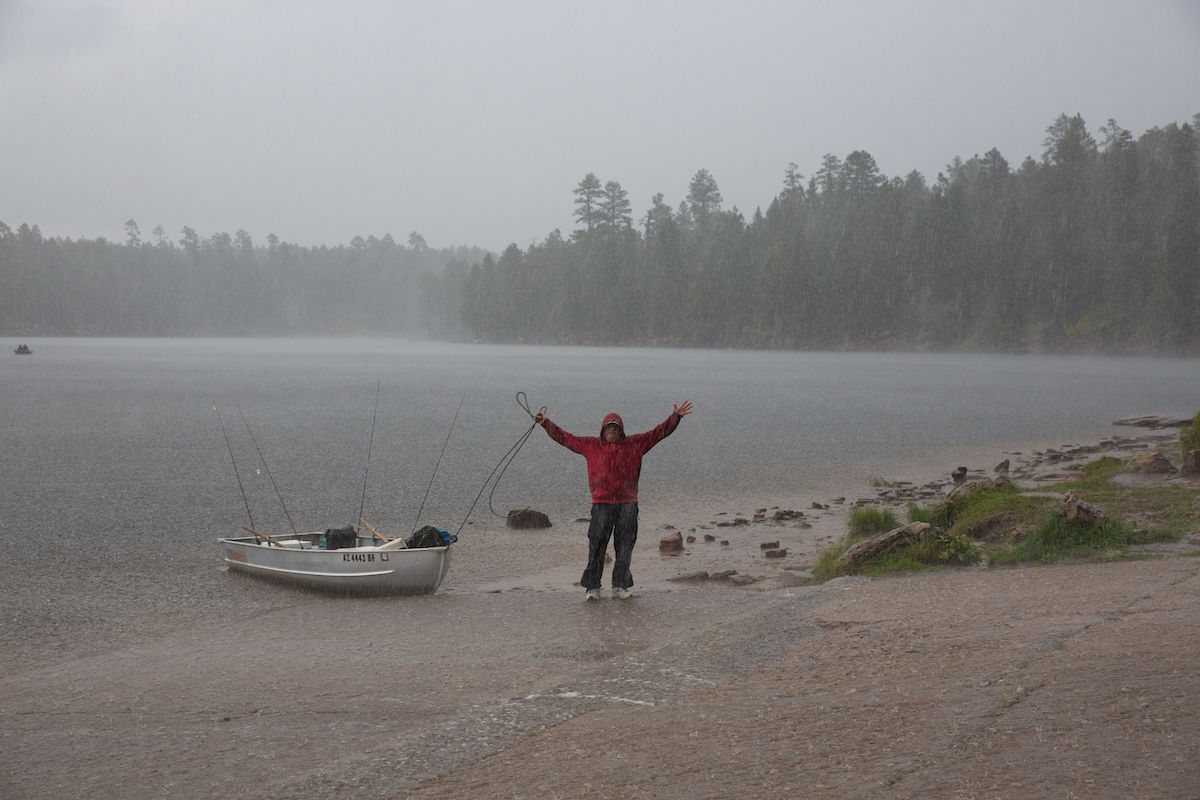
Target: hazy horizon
column 471, row 123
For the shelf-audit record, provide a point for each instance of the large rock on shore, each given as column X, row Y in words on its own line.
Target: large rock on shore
column 1149, row 464
column 1154, row 422
column 672, row 544
column 869, row 549
column 1077, row 510
column 527, row 518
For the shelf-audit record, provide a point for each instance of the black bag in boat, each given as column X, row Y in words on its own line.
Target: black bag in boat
column 429, row 536
column 339, row 538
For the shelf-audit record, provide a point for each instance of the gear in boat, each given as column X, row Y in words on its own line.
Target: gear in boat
column 348, row 538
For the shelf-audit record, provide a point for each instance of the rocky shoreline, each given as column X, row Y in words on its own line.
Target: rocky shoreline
column 777, row 545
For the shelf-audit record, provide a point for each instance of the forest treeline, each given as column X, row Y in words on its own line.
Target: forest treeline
column 1093, row 247
column 223, row 285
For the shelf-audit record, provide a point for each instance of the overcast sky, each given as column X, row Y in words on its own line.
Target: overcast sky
column 471, row 122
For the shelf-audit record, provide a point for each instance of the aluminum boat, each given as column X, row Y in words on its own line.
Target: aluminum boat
column 362, row 568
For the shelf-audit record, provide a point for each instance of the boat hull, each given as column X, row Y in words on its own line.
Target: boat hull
column 357, row 570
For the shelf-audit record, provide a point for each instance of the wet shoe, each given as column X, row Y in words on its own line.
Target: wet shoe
column 592, row 595
column 622, row 594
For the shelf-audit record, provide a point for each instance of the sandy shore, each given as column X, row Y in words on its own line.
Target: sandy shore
column 1038, row 682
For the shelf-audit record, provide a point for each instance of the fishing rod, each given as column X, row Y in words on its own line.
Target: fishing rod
column 439, row 461
column 233, row 461
column 370, row 443
column 505, row 460
column 269, row 475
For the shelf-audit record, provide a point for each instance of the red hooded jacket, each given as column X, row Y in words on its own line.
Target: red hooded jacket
column 613, row 469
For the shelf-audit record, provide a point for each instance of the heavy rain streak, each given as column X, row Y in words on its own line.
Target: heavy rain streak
column 269, row 273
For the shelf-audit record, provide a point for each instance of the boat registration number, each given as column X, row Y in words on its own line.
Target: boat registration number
column 358, row 556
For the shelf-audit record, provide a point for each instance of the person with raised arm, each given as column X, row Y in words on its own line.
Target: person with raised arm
column 614, row 465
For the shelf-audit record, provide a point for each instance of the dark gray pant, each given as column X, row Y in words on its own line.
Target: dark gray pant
column 619, row 521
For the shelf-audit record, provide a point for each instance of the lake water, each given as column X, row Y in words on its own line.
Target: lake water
column 116, row 479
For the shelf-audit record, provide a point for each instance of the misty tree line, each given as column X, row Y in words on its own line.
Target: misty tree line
column 224, row 285
column 1094, row 247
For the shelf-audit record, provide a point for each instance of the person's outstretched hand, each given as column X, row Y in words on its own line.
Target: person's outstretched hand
column 684, row 408
column 539, row 417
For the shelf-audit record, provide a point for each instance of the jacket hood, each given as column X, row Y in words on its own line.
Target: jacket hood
column 613, row 418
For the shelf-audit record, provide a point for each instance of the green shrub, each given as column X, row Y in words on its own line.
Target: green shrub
column 981, row 502
column 867, row 522
column 825, row 569
column 993, row 515
column 1189, row 437
column 1103, row 468
column 942, row 549
column 903, row 559
column 1056, row 537
column 928, row 514
column 952, row 509
column 955, row 548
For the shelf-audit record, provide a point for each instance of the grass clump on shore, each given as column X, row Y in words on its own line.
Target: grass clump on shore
column 1189, row 436
column 1009, row 525
column 942, row 549
column 983, row 499
column 1163, row 513
column 1095, row 476
column 826, row 567
column 1056, row 538
column 866, row 522
column 938, row 549
column 984, row 514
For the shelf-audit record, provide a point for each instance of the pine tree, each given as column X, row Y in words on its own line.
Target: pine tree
column 588, row 196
